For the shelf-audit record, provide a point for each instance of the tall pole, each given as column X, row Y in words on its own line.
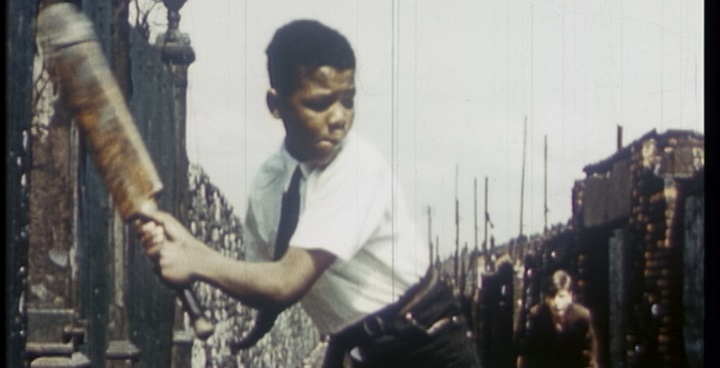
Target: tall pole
column 430, row 243
column 463, row 273
column 476, row 214
column 485, row 241
column 437, row 249
column 476, row 254
column 545, row 206
column 522, row 178
column 457, row 224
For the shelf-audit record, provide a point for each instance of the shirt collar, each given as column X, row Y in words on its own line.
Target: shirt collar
column 290, row 163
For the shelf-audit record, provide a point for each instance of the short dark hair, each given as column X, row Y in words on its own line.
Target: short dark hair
column 305, row 43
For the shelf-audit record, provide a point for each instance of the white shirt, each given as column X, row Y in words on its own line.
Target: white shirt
column 347, row 209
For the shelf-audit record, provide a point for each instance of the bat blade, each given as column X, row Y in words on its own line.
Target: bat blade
column 75, row 60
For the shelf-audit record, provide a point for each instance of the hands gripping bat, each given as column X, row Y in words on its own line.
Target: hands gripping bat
column 75, row 61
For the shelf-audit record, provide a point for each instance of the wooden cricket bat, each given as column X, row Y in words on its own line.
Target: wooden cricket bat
column 75, row 61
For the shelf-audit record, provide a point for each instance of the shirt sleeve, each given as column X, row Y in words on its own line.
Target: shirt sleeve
column 255, row 249
column 345, row 206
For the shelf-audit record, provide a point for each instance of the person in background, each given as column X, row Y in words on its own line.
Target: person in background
column 559, row 331
column 326, row 228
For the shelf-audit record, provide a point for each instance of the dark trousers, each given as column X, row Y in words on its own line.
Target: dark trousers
column 424, row 329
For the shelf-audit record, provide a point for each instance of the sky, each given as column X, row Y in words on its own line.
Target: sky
column 445, row 89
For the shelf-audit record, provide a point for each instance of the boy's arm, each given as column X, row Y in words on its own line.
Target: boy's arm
column 182, row 258
column 264, row 284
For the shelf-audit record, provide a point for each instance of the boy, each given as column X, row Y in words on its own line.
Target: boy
column 560, row 332
column 325, row 226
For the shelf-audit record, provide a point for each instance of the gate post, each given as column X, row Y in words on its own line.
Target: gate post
column 177, row 54
column 18, row 89
column 120, row 352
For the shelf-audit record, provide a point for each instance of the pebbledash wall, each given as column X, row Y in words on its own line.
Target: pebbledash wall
column 293, row 341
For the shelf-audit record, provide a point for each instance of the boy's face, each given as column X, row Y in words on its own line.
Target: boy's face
column 318, row 114
column 560, row 302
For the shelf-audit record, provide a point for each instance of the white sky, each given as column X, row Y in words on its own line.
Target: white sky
column 448, row 83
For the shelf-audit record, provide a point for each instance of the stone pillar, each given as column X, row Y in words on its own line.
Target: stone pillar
column 177, row 54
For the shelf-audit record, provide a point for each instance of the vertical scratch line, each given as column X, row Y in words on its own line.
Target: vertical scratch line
column 393, row 135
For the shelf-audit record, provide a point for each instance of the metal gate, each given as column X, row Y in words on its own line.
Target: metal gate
column 81, row 292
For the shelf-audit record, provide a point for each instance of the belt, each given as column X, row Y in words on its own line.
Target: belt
column 428, row 306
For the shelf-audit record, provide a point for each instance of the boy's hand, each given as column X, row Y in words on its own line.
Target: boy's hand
column 175, row 251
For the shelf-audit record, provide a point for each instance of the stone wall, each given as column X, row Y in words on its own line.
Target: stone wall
column 293, row 341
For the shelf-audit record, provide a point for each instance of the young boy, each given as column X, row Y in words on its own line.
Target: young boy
column 349, row 252
column 560, row 332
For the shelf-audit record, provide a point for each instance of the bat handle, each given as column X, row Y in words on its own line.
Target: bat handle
column 202, row 326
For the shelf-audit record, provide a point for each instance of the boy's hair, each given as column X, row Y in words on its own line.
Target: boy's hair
column 305, row 43
column 561, row 280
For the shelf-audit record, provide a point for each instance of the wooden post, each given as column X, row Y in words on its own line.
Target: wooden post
column 522, row 178
column 457, row 225
column 475, row 217
column 475, row 254
column 430, row 244
column 545, row 207
column 463, row 270
column 437, row 250
column 487, row 218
